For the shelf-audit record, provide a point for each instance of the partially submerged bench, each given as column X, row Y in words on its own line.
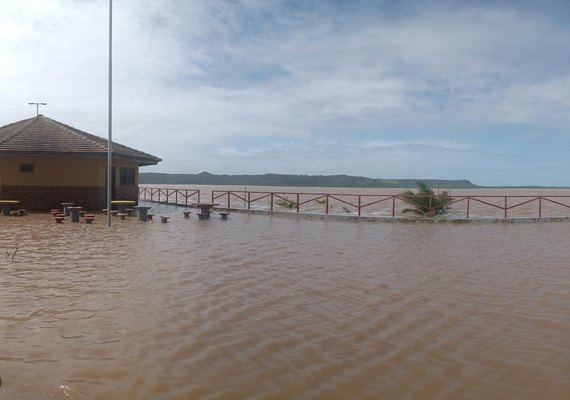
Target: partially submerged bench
column 224, row 215
column 164, row 218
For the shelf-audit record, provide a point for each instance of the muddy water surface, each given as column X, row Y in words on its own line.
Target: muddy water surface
column 265, row 307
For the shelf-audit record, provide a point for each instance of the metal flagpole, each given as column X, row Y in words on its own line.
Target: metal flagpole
column 109, row 142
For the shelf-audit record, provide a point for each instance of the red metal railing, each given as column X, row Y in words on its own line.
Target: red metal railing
column 170, row 196
column 520, row 200
column 357, row 201
column 462, row 206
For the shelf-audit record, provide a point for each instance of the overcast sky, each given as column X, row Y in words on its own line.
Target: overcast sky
column 476, row 90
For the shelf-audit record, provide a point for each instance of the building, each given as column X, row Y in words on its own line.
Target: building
column 44, row 162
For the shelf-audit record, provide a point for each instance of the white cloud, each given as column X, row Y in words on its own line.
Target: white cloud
column 206, row 84
column 447, row 145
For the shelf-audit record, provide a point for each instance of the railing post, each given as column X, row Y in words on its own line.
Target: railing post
column 359, row 204
column 176, row 196
column 327, row 205
column 430, row 198
column 468, row 205
column 393, row 206
column 272, row 201
column 539, row 206
column 505, row 206
column 229, row 200
column 249, row 200
column 298, row 195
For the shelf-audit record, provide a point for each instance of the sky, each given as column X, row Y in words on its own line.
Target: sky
column 476, row 90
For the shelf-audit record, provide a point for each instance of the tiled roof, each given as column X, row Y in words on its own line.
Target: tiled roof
column 44, row 136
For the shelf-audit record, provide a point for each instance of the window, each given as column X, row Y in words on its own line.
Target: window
column 128, row 176
column 27, row 168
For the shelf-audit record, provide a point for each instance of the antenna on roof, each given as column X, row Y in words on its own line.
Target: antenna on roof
column 37, row 107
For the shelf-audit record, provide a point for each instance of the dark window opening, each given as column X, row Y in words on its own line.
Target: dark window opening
column 27, row 168
column 128, row 176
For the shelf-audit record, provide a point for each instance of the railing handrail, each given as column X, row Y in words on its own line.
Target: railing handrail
column 359, row 202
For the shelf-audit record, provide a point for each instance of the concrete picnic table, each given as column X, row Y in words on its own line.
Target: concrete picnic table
column 123, row 204
column 65, row 207
column 7, row 205
column 205, row 208
column 142, row 212
column 74, row 213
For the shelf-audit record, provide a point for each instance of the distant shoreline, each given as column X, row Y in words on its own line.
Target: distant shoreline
column 347, row 181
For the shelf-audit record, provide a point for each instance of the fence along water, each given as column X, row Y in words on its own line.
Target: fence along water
column 477, row 205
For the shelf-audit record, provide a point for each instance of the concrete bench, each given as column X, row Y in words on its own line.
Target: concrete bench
column 186, row 214
column 23, row 211
column 89, row 218
column 55, row 211
column 202, row 216
column 59, row 219
column 114, row 213
column 15, row 213
column 149, row 216
column 164, row 219
column 122, row 215
column 224, row 215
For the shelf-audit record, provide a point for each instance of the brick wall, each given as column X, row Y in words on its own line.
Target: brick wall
column 44, row 198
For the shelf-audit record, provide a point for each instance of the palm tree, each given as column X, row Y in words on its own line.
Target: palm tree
column 426, row 202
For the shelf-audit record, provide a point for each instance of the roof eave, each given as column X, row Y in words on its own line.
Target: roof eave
column 142, row 161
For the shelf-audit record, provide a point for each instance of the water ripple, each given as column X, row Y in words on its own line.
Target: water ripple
column 261, row 307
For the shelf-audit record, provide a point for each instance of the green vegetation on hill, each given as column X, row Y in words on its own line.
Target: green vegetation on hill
column 205, row 178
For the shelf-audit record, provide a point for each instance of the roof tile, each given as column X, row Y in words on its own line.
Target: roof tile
column 44, row 136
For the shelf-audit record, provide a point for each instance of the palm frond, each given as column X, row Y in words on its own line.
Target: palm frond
column 426, row 202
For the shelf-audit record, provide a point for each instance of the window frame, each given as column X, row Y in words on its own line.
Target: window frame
column 127, row 177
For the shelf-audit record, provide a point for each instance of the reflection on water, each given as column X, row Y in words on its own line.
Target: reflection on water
column 279, row 308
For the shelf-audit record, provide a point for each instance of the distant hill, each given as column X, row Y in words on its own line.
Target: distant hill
column 205, row 178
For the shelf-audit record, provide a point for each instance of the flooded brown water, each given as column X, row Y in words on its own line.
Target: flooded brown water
column 265, row 307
